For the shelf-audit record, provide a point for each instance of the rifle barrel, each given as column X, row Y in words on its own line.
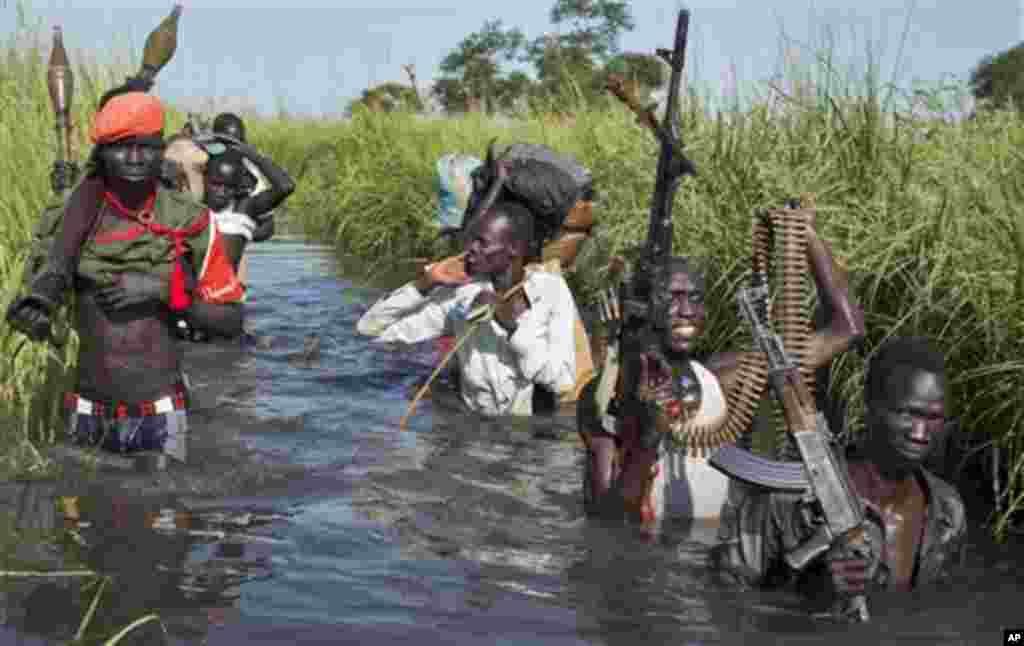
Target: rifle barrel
column 678, row 61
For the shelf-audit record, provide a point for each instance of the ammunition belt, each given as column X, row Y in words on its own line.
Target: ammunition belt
column 779, row 249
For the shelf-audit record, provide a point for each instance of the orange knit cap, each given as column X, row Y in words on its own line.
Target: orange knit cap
column 134, row 114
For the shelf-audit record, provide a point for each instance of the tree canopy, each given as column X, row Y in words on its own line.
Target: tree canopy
column 1000, row 78
column 576, row 61
column 388, row 97
column 475, row 61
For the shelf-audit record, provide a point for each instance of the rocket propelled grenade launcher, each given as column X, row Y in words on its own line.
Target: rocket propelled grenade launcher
column 160, row 45
column 60, row 81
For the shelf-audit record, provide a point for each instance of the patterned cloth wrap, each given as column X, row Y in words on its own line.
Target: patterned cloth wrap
column 454, row 186
column 160, row 425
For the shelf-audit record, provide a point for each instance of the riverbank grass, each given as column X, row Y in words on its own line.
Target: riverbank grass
column 923, row 210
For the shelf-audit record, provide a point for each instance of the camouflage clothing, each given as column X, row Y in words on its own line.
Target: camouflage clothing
column 762, row 526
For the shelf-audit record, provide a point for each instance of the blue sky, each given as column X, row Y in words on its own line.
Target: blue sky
column 312, row 56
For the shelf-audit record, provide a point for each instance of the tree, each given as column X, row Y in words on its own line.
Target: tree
column 387, row 97
column 475, row 60
column 596, row 25
column 574, row 58
column 512, row 91
column 644, row 71
column 1000, row 78
column 451, row 94
column 560, row 67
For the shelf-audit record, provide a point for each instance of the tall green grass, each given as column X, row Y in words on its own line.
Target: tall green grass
column 926, row 212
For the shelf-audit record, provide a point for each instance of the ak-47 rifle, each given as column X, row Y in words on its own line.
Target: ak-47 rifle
column 823, row 477
column 646, row 298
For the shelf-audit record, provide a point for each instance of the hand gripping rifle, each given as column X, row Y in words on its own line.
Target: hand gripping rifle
column 821, row 475
column 646, row 299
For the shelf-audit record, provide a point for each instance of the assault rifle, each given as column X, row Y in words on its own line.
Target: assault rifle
column 824, row 478
column 646, row 298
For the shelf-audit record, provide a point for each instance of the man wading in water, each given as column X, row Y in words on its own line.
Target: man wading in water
column 264, row 184
column 135, row 273
column 530, row 340
column 629, row 468
column 916, row 526
column 241, row 214
column 217, row 170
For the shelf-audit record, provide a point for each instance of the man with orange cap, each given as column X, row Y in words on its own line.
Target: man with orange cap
column 144, row 264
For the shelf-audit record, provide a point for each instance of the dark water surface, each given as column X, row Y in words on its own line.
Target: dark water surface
column 310, row 519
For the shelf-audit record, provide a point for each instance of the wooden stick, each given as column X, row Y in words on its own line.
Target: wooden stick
column 451, row 353
column 57, row 574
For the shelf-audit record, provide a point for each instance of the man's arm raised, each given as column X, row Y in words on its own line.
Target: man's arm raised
column 844, row 325
column 415, row 312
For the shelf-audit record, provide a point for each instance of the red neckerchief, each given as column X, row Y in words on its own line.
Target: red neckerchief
column 179, row 297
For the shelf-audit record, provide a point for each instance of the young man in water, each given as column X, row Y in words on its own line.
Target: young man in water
column 530, row 340
column 916, row 522
column 662, row 388
column 136, row 272
column 260, row 177
column 243, row 215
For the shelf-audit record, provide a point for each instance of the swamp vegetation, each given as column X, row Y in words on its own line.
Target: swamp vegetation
column 925, row 211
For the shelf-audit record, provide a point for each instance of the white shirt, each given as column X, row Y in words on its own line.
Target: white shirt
column 261, row 184
column 498, row 372
column 233, row 223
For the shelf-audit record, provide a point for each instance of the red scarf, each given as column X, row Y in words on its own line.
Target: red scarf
column 179, row 299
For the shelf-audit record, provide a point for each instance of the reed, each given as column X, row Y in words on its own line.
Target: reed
column 924, row 209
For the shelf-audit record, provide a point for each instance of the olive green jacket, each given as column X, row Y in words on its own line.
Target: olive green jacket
column 130, row 247
column 759, row 527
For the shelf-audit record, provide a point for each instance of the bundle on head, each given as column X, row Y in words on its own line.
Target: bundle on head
column 555, row 188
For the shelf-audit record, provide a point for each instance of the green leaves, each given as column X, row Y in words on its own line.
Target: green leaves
column 998, row 80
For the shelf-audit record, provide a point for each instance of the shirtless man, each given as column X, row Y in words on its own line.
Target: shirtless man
column 138, row 269
column 628, row 468
column 918, row 520
column 529, row 342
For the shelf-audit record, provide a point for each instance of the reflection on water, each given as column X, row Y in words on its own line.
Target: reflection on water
column 457, row 531
column 186, row 565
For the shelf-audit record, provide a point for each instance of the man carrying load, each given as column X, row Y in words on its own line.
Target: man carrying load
column 558, row 193
column 527, row 341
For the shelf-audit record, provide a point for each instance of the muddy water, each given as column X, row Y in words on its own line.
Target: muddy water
column 307, row 518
